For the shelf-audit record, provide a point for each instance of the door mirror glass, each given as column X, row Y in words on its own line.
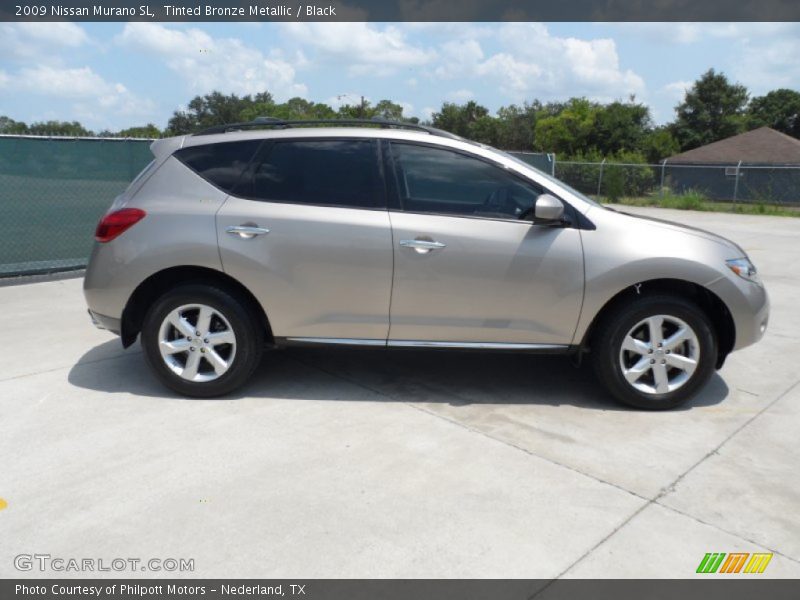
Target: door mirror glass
column 548, row 208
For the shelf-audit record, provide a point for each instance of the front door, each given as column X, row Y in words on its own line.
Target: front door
column 468, row 270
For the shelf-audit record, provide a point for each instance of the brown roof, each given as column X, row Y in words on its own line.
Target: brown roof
column 759, row 146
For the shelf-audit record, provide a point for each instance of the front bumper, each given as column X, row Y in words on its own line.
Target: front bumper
column 748, row 304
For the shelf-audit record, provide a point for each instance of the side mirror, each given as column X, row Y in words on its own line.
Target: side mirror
column 547, row 209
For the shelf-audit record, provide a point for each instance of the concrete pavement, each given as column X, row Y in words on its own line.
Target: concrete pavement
column 364, row 463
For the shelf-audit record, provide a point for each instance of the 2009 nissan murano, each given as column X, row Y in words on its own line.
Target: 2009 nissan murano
column 273, row 233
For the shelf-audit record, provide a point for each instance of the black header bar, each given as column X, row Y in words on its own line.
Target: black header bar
column 400, row 10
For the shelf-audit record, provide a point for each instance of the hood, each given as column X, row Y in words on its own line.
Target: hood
column 696, row 231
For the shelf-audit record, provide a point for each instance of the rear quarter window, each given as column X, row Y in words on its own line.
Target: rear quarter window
column 220, row 164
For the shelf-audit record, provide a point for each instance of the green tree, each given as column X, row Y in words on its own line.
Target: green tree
column 485, row 130
column 779, row 109
column 299, row 109
column 659, row 144
column 516, row 126
column 10, row 126
column 713, row 109
column 569, row 132
column 385, row 109
column 621, row 127
column 391, row 111
column 147, row 131
column 65, row 128
column 457, row 118
column 214, row 109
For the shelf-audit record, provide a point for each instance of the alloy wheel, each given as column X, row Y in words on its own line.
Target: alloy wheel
column 659, row 354
column 197, row 342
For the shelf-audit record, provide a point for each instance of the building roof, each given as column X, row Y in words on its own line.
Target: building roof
column 759, row 146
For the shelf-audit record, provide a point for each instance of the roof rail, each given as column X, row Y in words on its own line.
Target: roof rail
column 273, row 122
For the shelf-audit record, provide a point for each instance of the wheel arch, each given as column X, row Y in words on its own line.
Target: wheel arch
column 711, row 304
column 149, row 290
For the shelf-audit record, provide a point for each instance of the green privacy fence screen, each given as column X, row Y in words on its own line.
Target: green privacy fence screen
column 53, row 191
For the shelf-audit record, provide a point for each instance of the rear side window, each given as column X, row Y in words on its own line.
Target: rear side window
column 219, row 164
column 320, row 172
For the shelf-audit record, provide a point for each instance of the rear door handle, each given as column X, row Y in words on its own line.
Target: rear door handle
column 422, row 246
column 246, row 232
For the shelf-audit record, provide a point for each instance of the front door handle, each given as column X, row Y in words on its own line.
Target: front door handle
column 422, row 246
column 246, row 232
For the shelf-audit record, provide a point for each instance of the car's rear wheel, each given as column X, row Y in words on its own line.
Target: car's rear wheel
column 654, row 353
column 201, row 340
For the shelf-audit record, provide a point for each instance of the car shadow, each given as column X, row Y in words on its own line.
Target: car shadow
column 383, row 375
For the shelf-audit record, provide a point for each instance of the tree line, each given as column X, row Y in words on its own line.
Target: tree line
column 713, row 108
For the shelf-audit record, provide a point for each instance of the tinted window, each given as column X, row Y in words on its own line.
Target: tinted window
column 441, row 181
column 221, row 164
column 325, row 172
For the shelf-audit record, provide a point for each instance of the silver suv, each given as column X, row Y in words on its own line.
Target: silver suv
column 272, row 234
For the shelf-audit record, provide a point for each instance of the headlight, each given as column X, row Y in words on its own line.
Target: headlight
column 743, row 268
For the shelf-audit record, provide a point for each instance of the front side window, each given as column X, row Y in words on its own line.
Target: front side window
column 436, row 180
column 321, row 172
column 220, row 164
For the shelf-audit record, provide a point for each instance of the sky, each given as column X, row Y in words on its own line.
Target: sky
column 117, row 75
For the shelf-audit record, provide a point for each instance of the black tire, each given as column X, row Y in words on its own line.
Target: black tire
column 613, row 328
column 246, row 326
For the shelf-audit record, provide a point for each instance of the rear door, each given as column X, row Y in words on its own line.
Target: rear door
column 307, row 231
column 470, row 266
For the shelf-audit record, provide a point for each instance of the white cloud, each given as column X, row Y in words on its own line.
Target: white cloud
column 457, row 57
column 93, row 98
column 762, row 56
column 408, row 108
column 690, row 33
column 362, row 47
column 79, row 82
column 516, row 77
column 207, row 63
column 770, row 62
column 41, row 41
column 460, row 96
column 677, row 89
column 533, row 63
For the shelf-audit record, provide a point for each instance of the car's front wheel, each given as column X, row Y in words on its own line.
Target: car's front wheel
column 654, row 353
column 201, row 340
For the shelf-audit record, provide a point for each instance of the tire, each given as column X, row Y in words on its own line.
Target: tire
column 225, row 355
column 687, row 337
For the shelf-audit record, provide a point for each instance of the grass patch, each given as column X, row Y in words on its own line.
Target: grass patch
column 692, row 200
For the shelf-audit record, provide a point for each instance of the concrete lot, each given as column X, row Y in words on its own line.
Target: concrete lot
column 398, row 464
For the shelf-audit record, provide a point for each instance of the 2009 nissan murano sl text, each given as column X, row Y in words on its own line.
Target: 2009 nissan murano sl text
column 271, row 233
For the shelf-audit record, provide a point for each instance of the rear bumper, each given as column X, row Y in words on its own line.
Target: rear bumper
column 105, row 322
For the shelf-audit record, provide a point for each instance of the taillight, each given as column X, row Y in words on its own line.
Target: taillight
column 116, row 223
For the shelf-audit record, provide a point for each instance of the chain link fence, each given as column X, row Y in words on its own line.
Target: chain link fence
column 751, row 184
column 539, row 160
column 52, row 193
